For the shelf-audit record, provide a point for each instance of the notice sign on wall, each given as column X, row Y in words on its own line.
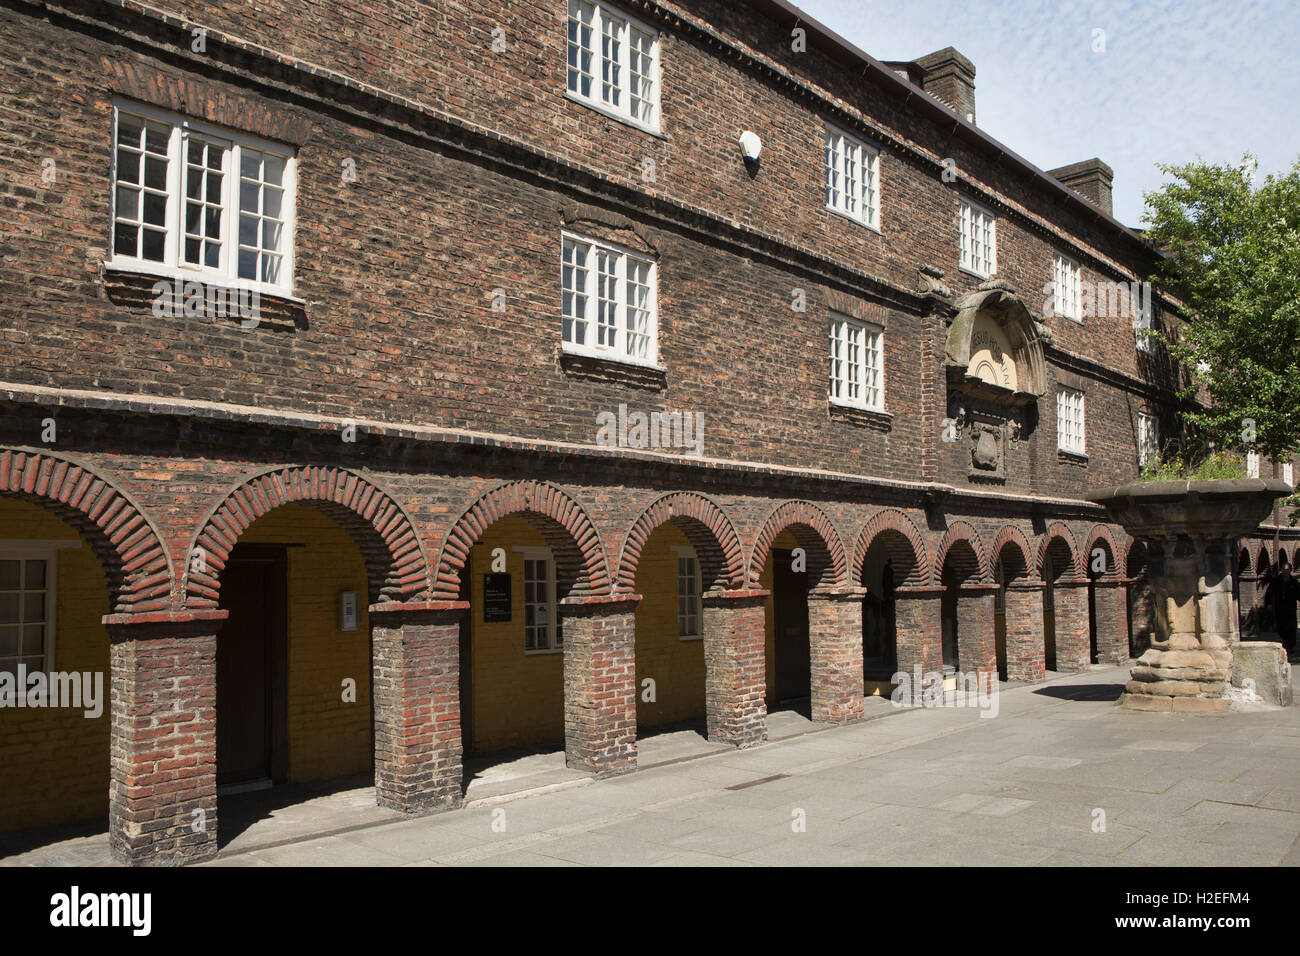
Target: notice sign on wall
column 496, row 597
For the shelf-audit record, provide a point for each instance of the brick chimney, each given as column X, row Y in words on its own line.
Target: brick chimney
column 950, row 78
column 1091, row 179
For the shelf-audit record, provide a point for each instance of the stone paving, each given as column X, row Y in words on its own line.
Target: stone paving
column 1061, row 776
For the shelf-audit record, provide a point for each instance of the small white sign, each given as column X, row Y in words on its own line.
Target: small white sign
column 347, row 610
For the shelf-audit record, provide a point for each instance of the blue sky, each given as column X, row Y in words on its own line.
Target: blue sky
column 1178, row 80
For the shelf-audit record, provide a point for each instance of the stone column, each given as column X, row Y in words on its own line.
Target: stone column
column 918, row 615
column 1026, row 660
column 976, row 639
column 1111, row 604
column 735, row 665
column 416, row 688
column 1073, row 647
column 1188, row 668
column 600, row 683
column 835, row 639
column 163, row 778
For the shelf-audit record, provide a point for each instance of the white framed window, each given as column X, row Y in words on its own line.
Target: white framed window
column 852, row 177
column 979, row 239
column 1288, row 473
column 689, row 589
column 202, row 203
column 542, row 630
column 1252, row 464
column 28, row 579
column 1070, row 421
column 857, row 364
column 613, row 63
column 1148, row 438
column 1066, row 288
column 609, row 303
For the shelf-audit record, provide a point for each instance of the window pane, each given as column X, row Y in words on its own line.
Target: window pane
column 10, row 575
column 152, row 245
column 128, row 167
column 10, row 604
column 34, row 606
column 33, row 639
column 9, row 637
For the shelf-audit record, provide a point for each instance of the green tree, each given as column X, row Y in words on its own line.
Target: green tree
column 1232, row 256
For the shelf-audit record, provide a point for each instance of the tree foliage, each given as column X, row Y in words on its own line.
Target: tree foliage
column 1232, row 256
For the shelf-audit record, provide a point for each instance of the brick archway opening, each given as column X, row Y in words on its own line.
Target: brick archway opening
column 966, row 605
column 683, row 648
column 545, row 650
column 1064, row 611
column 890, row 560
column 1017, row 638
column 1103, row 573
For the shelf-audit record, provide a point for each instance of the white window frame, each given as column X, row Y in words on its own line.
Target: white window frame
column 1067, row 284
column 976, row 222
column 1252, row 464
column 845, row 373
column 617, row 352
column 687, row 553
column 1288, row 473
column 1148, row 437
column 619, row 105
column 848, row 157
column 554, row 636
column 1069, row 438
column 226, row 275
column 47, row 551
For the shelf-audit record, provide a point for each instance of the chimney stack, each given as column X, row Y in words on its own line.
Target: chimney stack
column 950, row 78
column 1091, row 179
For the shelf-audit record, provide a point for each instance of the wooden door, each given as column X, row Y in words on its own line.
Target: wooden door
column 251, row 697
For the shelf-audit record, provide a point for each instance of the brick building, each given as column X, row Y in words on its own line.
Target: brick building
column 457, row 369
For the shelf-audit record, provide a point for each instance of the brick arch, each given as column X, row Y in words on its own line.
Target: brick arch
column 123, row 538
column 396, row 566
column 1060, row 532
column 960, row 531
column 889, row 526
column 711, row 533
column 579, row 553
column 1244, row 564
column 1102, row 533
column 1013, row 537
column 827, row 561
column 1263, row 560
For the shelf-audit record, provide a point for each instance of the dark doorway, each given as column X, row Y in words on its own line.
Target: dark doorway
column 791, row 650
column 880, row 630
column 251, row 668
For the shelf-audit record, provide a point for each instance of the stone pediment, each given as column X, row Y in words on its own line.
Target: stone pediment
column 995, row 348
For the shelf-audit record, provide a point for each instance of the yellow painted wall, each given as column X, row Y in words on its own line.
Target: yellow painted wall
column 518, row 697
column 787, row 541
column 54, row 762
column 675, row 665
column 327, row 737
